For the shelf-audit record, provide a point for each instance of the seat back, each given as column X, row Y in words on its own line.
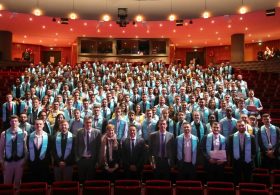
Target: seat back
column 65, row 191
column 34, row 191
column 100, row 190
column 182, row 190
column 34, row 185
column 158, row 190
column 158, row 183
column 127, row 183
column 252, row 186
column 218, row 184
column 127, row 190
column 220, row 191
column 7, row 189
column 253, row 192
column 189, row 183
column 97, row 183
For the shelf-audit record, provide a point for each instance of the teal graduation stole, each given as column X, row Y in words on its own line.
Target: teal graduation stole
column 201, row 129
column 236, row 147
column 43, row 147
column 68, row 144
column 273, row 136
column 209, row 142
column 9, row 145
column 180, row 147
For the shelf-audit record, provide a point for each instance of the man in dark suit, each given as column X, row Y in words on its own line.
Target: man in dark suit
column 133, row 154
column 242, row 150
column 88, row 141
column 39, row 143
column 162, row 150
column 63, row 153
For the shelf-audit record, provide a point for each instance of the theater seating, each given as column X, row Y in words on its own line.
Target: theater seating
column 100, row 187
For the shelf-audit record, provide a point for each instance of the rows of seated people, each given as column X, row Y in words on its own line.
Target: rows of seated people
column 117, row 116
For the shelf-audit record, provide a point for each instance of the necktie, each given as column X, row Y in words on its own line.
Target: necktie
column 229, row 126
column 132, row 145
column 104, row 113
column 144, row 107
column 70, row 113
column 241, row 142
column 162, row 146
column 88, row 148
column 95, row 122
column 10, row 107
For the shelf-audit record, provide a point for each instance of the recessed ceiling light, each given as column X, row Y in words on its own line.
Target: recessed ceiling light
column 84, row 35
column 135, row 25
column 110, row 25
column 160, row 25
column 110, row 36
column 43, row 26
column 216, row 32
column 250, row 35
column 174, row 30
column 148, row 31
column 201, row 29
column 123, row 31
column 241, row 18
column 212, row 21
column 268, row 35
column 98, row 30
column 22, row 41
column 162, row 36
column 56, row 34
column 30, row 19
column 246, row 28
column 40, row 41
column 189, row 35
column 71, row 29
column 1, row 15
column 136, row 37
column 85, row 24
column 219, row 38
column 190, row 41
column 229, row 26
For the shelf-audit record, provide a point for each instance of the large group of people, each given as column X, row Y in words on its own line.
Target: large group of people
column 116, row 116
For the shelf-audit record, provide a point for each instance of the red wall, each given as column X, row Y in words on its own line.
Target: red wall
column 19, row 48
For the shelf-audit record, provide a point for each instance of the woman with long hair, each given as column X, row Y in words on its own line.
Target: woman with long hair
column 109, row 154
column 58, row 119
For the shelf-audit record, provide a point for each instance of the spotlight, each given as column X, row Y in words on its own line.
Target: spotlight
column 37, row 12
column 73, row 16
column 243, row 10
column 139, row 18
column 206, row 14
column 106, row 18
column 171, row 17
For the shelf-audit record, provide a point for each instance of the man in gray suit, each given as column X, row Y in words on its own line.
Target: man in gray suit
column 162, row 150
column 87, row 150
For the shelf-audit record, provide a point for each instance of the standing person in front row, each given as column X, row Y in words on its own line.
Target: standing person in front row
column 133, row 154
column 162, row 150
column 214, row 142
column 268, row 137
column 63, row 153
column 186, row 145
column 110, row 153
column 39, row 143
column 88, row 141
column 242, row 151
column 12, row 152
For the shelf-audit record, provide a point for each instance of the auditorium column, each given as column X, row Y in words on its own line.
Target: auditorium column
column 5, row 46
column 237, row 47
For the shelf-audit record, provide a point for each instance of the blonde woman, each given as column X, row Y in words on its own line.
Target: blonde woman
column 110, row 156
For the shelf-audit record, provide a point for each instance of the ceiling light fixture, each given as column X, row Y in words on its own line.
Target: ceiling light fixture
column 171, row 17
column 106, row 17
column 139, row 17
column 205, row 14
column 1, row 7
column 243, row 9
column 37, row 11
column 73, row 15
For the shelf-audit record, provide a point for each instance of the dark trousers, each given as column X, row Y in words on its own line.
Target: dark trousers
column 39, row 171
column 86, row 169
column 242, row 171
column 162, row 170
column 215, row 172
column 269, row 163
column 186, row 171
